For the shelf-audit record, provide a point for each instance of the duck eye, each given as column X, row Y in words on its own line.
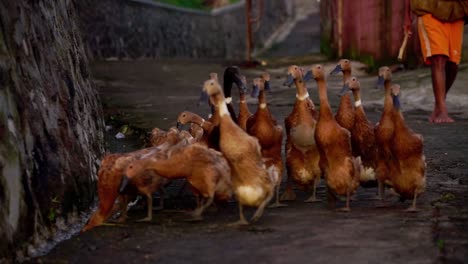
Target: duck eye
column 346, row 61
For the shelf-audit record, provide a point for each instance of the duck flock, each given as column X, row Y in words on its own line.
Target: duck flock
column 239, row 157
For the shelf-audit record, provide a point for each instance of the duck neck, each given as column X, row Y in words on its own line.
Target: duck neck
column 301, row 89
column 346, row 75
column 262, row 103
column 227, row 87
column 325, row 110
column 199, row 121
column 243, row 108
column 388, row 101
column 172, row 167
column 357, row 99
column 223, row 109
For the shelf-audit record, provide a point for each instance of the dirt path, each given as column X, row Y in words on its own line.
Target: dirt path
column 150, row 94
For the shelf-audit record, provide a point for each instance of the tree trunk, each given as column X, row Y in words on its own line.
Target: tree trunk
column 51, row 125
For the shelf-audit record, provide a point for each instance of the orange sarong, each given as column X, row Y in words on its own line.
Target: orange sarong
column 440, row 38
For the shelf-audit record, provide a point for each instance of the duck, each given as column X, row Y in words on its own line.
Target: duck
column 302, row 154
column 409, row 177
column 109, row 179
column 244, row 112
column 251, row 181
column 362, row 136
column 205, row 169
column 159, row 137
column 110, row 176
column 264, row 127
column 341, row 169
column 232, row 76
column 384, row 133
column 207, row 139
column 345, row 113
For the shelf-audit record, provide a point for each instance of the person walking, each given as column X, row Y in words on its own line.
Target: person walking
column 440, row 30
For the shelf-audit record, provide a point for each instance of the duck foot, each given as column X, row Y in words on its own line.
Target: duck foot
column 146, row 219
column 288, row 195
column 121, row 219
column 159, row 208
column 194, row 218
column 312, row 199
column 176, row 211
column 376, row 198
column 382, row 205
column 412, row 209
column 277, row 205
column 343, row 210
column 111, row 224
column 239, row 223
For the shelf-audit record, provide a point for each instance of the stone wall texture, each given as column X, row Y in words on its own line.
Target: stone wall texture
column 51, row 125
column 145, row 29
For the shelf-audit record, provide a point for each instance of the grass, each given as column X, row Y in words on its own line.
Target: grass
column 194, row 4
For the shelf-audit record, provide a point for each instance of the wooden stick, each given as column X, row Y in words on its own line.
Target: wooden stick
column 403, row 47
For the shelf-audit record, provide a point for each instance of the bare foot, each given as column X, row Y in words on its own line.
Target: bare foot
column 439, row 116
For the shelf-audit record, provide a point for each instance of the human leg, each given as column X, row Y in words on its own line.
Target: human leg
column 439, row 81
column 451, row 70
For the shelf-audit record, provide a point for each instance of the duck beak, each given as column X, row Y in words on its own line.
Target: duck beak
column 255, row 91
column 344, row 90
column 240, row 84
column 380, row 82
column 308, row 76
column 203, row 98
column 123, row 184
column 396, row 101
column 267, row 86
column 289, row 81
column 337, row 69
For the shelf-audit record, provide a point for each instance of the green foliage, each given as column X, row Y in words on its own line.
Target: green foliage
column 440, row 244
column 195, row 4
column 52, row 215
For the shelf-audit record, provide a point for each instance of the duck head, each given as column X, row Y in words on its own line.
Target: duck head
column 316, row 72
column 266, row 80
column 294, row 72
column 232, row 76
column 204, row 98
column 212, row 88
column 343, row 65
column 385, row 74
column 396, row 95
column 256, row 87
column 244, row 84
column 183, row 118
column 352, row 84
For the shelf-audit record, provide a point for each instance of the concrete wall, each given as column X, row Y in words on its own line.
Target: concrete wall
column 146, row 29
column 51, row 125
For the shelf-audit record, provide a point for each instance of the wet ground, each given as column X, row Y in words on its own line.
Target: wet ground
column 149, row 94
